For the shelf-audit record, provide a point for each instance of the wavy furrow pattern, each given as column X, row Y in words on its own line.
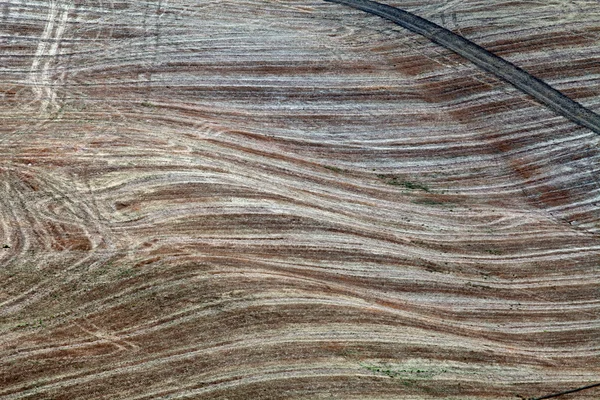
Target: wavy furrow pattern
column 295, row 200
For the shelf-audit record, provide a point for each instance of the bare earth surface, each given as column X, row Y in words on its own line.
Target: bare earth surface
column 292, row 199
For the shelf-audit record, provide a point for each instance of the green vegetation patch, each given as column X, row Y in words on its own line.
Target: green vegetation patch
column 430, row 202
column 334, row 169
column 495, row 252
column 126, row 273
column 397, row 181
column 403, row 372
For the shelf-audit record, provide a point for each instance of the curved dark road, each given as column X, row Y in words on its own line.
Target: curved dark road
column 522, row 80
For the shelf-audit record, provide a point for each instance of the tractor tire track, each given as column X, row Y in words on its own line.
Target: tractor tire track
column 47, row 50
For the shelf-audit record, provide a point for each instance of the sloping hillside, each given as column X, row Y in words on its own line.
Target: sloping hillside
column 291, row 199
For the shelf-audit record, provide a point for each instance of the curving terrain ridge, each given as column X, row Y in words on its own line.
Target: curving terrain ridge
column 295, row 200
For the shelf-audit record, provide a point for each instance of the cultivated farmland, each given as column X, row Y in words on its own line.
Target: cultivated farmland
column 269, row 199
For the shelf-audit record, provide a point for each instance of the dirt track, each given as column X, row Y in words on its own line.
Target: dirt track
column 479, row 56
column 290, row 200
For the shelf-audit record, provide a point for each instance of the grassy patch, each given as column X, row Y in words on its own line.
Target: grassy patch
column 147, row 104
column 126, row 273
column 37, row 323
column 430, row 202
column 495, row 252
column 405, row 374
column 396, row 181
column 478, row 286
column 334, row 169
